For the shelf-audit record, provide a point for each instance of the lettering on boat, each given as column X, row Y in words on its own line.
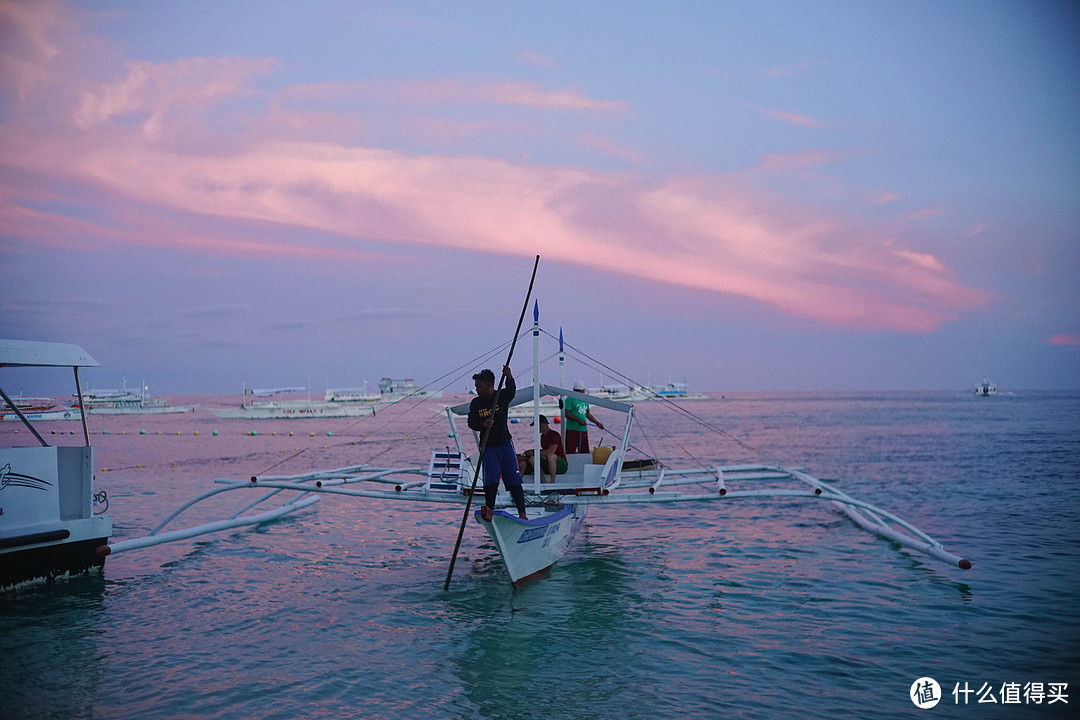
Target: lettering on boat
column 537, row 533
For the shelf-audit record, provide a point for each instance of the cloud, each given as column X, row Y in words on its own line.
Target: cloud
column 167, row 152
column 791, row 118
column 884, row 197
column 1070, row 340
column 454, row 90
column 149, row 91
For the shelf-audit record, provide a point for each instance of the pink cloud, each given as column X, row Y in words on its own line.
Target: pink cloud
column 791, row 118
column 151, row 139
column 453, row 90
column 1071, row 340
column 503, row 93
column 151, row 90
column 884, row 197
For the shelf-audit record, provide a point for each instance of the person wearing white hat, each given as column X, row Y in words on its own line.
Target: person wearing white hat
column 577, row 422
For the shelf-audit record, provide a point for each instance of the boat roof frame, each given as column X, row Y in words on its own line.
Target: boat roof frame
column 34, row 353
column 525, row 394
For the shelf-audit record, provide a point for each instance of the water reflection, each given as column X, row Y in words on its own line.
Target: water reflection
column 555, row 645
column 49, row 644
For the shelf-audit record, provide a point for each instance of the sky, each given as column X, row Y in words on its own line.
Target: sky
column 795, row 196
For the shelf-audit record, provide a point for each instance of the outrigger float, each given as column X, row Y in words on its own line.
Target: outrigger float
column 556, row 511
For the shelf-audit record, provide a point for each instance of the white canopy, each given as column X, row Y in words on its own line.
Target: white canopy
column 525, row 394
column 29, row 353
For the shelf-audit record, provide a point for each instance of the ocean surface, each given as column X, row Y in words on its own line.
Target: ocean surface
column 742, row 609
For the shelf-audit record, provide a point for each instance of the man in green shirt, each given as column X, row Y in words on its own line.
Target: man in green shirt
column 577, row 418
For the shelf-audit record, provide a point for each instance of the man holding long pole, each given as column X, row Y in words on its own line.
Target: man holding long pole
column 489, row 378
column 500, row 460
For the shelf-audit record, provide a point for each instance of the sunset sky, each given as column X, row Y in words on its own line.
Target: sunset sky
column 738, row 195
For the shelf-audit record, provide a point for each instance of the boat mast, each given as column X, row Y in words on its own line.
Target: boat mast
column 536, row 396
column 562, row 384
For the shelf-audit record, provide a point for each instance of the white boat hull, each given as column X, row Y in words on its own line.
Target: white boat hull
column 162, row 410
column 530, row 547
column 69, row 414
column 47, row 526
column 337, row 410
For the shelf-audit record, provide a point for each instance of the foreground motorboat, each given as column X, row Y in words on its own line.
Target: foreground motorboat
column 48, row 528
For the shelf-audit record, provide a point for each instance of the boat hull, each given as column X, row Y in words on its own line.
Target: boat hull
column 337, row 410
column 70, row 414
column 53, row 560
column 47, row 525
column 145, row 410
column 530, row 547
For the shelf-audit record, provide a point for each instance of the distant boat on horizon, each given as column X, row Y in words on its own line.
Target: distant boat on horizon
column 278, row 408
column 391, row 390
column 27, row 405
column 128, row 402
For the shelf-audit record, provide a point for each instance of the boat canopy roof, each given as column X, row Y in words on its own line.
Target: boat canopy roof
column 30, row 353
column 525, row 394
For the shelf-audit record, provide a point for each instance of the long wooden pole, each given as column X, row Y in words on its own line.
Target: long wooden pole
column 487, row 431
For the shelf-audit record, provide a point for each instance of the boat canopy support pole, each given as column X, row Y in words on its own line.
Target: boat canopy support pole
column 83, row 411
column 22, row 417
column 454, row 432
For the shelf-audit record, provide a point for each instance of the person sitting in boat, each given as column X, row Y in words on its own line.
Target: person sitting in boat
column 577, row 426
column 552, row 455
column 488, row 416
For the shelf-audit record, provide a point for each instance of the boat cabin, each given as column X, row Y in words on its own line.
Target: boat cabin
column 598, row 472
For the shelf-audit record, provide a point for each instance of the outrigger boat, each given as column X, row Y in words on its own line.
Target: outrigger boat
column 556, row 511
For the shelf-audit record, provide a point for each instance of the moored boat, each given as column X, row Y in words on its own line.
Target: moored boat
column 67, row 413
column 676, row 391
column 27, row 405
column 290, row 410
column 278, row 408
column 48, row 527
column 128, row 402
column 392, row 390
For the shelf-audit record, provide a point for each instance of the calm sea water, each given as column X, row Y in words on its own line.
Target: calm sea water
column 747, row 609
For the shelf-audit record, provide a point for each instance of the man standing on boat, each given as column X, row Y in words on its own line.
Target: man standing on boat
column 488, row 416
column 577, row 417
